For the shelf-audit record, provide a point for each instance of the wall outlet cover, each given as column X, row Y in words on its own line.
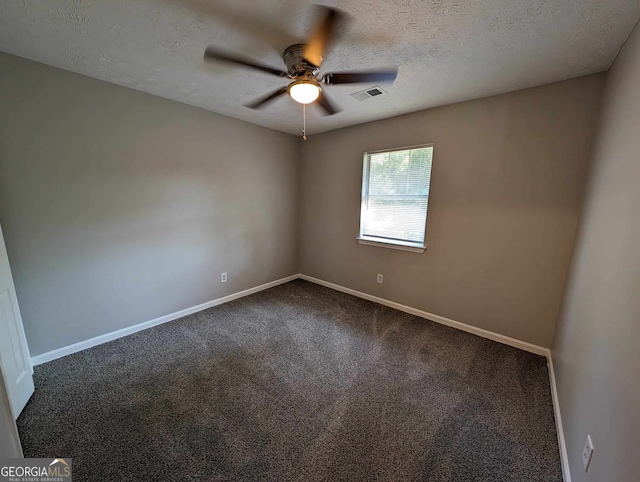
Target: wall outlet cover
column 587, row 453
column 223, row 277
column 380, row 278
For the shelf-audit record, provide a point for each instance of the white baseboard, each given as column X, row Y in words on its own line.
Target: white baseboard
column 564, row 459
column 83, row 345
column 98, row 340
column 523, row 345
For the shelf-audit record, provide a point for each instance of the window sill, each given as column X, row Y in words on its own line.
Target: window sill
column 401, row 245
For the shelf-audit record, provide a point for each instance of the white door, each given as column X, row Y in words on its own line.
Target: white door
column 14, row 353
column 10, row 447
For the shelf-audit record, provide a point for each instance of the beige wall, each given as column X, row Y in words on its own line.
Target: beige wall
column 596, row 349
column 507, row 185
column 119, row 207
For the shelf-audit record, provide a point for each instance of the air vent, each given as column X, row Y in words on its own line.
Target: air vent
column 368, row 93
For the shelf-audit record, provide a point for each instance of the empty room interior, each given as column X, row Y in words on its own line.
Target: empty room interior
column 358, row 241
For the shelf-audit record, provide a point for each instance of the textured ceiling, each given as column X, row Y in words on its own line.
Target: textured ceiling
column 447, row 50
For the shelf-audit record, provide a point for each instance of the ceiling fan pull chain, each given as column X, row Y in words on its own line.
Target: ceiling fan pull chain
column 304, row 122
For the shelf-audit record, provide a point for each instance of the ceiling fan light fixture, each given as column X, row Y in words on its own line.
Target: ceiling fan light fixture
column 304, row 91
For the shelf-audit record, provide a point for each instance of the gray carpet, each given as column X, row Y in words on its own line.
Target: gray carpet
column 298, row 382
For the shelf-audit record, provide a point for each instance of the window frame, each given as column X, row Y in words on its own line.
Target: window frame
column 379, row 241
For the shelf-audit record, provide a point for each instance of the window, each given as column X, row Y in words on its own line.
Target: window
column 395, row 197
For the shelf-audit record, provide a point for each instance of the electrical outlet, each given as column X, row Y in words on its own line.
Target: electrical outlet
column 223, row 277
column 587, row 453
column 380, row 277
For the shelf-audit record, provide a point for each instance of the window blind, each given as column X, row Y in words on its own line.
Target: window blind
column 396, row 194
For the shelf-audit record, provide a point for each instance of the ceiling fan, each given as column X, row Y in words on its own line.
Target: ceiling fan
column 303, row 63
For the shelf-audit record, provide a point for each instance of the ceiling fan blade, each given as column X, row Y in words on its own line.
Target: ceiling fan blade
column 360, row 77
column 211, row 54
column 263, row 100
column 323, row 102
column 323, row 35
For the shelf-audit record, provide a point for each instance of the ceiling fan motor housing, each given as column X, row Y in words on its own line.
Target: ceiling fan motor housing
column 297, row 66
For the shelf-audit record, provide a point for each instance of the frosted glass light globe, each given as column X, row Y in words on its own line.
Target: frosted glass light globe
column 304, row 92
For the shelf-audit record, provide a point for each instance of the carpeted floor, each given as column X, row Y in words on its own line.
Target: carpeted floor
column 298, row 382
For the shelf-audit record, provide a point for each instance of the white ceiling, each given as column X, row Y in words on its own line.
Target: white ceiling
column 447, row 50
